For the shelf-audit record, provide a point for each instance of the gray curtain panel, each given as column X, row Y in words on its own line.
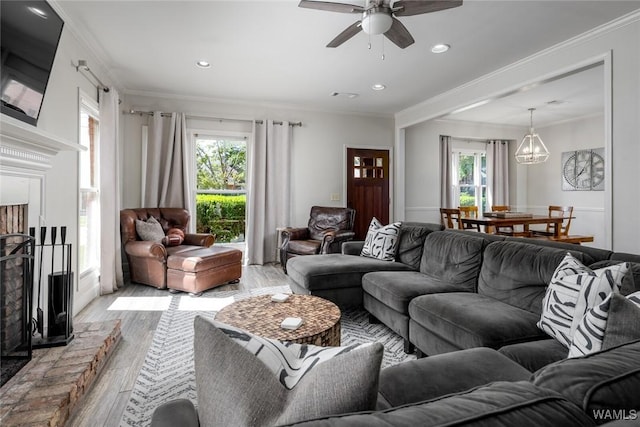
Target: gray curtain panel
column 110, row 258
column 446, row 181
column 167, row 183
column 497, row 173
column 269, row 189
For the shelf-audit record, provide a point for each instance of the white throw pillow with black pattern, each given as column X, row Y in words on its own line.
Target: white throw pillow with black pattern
column 381, row 241
column 575, row 288
column 590, row 332
column 246, row 380
column 288, row 361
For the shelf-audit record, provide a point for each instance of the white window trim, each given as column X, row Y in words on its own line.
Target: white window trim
column 91, row 276
column 455, row 158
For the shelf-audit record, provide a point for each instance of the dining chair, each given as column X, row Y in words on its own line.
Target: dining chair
column 450, row 218
column 499, row 208
column 469, row 212
column 505, row 230
column 557, row 211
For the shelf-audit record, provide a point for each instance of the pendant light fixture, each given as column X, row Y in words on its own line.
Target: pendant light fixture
column 531, row 150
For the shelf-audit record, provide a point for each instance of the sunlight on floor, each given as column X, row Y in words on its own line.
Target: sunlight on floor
column 141, row 303
column 203, row 304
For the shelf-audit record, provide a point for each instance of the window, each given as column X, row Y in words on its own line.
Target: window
column 221, row 186
column 89, row 215
column 470, row 181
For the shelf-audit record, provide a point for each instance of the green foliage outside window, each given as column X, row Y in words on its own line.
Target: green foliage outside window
column 221, row 164
column 222, row 215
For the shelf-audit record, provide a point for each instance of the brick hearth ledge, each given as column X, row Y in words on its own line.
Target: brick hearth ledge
column 46, row 391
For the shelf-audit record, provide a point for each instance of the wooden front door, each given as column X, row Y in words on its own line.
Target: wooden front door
column 368, row 187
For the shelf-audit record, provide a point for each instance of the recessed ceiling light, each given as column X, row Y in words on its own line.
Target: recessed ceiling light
column 38, row 12
column 203, row 64
column 440, row 48
column 378, row 86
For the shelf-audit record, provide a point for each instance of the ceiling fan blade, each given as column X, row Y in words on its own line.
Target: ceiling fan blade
column 331, row 7
column 417, row 7
column 399, row 34
column 349, row 32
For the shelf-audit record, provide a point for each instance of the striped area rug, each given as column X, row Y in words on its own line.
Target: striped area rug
column 168, row 373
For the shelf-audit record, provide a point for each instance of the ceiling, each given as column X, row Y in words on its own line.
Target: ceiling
column 273, row 52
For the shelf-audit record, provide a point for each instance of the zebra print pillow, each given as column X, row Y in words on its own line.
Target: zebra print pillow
column 288, row 361
column 381, row 241
column 590, row 333
column 575, row 288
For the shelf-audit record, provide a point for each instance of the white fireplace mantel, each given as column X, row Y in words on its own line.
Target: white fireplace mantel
column 27, row 148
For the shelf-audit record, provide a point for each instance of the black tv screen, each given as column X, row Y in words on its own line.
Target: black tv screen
column 31, row 31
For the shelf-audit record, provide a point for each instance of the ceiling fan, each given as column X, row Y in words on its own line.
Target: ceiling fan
column 379, row 17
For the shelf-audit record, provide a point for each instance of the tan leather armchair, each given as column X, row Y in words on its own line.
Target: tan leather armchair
column 328, row 228
column 147, row 259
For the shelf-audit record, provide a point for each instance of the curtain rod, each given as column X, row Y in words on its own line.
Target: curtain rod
column 83, row 66
column 150, row 113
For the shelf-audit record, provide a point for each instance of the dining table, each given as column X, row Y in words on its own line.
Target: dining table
column 491, row 223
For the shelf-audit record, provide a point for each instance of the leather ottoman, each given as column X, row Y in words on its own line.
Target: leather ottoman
column 200, row 269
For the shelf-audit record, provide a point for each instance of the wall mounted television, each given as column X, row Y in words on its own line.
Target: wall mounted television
column 31, row 32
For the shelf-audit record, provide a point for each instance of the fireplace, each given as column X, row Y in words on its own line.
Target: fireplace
column 16, row 290
column 26, row 154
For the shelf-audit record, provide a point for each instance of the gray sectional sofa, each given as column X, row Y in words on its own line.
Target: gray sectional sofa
column 468, row 290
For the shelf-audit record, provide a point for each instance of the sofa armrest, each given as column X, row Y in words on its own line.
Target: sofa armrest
column 179, row 412
column 291, row 233
column 199, row 239
column 146, row 249
column 352, row 247
column 331, row 236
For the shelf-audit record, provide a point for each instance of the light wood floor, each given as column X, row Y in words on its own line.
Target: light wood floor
column 105, row 403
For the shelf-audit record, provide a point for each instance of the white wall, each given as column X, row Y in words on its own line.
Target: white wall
column 532, row 188
column 422, row 164
column 545, row 180
column 620, row 42
column 318, row 146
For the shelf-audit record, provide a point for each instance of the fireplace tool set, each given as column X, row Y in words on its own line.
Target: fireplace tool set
column 57, row 330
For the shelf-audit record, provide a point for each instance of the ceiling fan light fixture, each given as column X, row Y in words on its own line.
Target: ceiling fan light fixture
column 375, row 23
column 531, row 150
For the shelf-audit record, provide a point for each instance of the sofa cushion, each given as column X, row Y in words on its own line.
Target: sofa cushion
column 623, row 324
column 452, row 258
column 334, row 271
column 574, row 288
column 304, row 247
column 411, row 242
column 498, row 404
column 533, row 355
column 605, row 380
column 435, row 376
column 381, row 241
column 518, row 273
column 235, row 388
column 396, row 289
column 472, row 320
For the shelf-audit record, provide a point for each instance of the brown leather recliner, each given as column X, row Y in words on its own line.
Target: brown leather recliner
column 148, row 260
column 328, row 227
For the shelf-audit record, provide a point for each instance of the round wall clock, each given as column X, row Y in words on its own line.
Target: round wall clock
column 583, row 170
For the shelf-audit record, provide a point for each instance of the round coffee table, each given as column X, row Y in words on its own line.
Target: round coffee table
column 260, row 316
